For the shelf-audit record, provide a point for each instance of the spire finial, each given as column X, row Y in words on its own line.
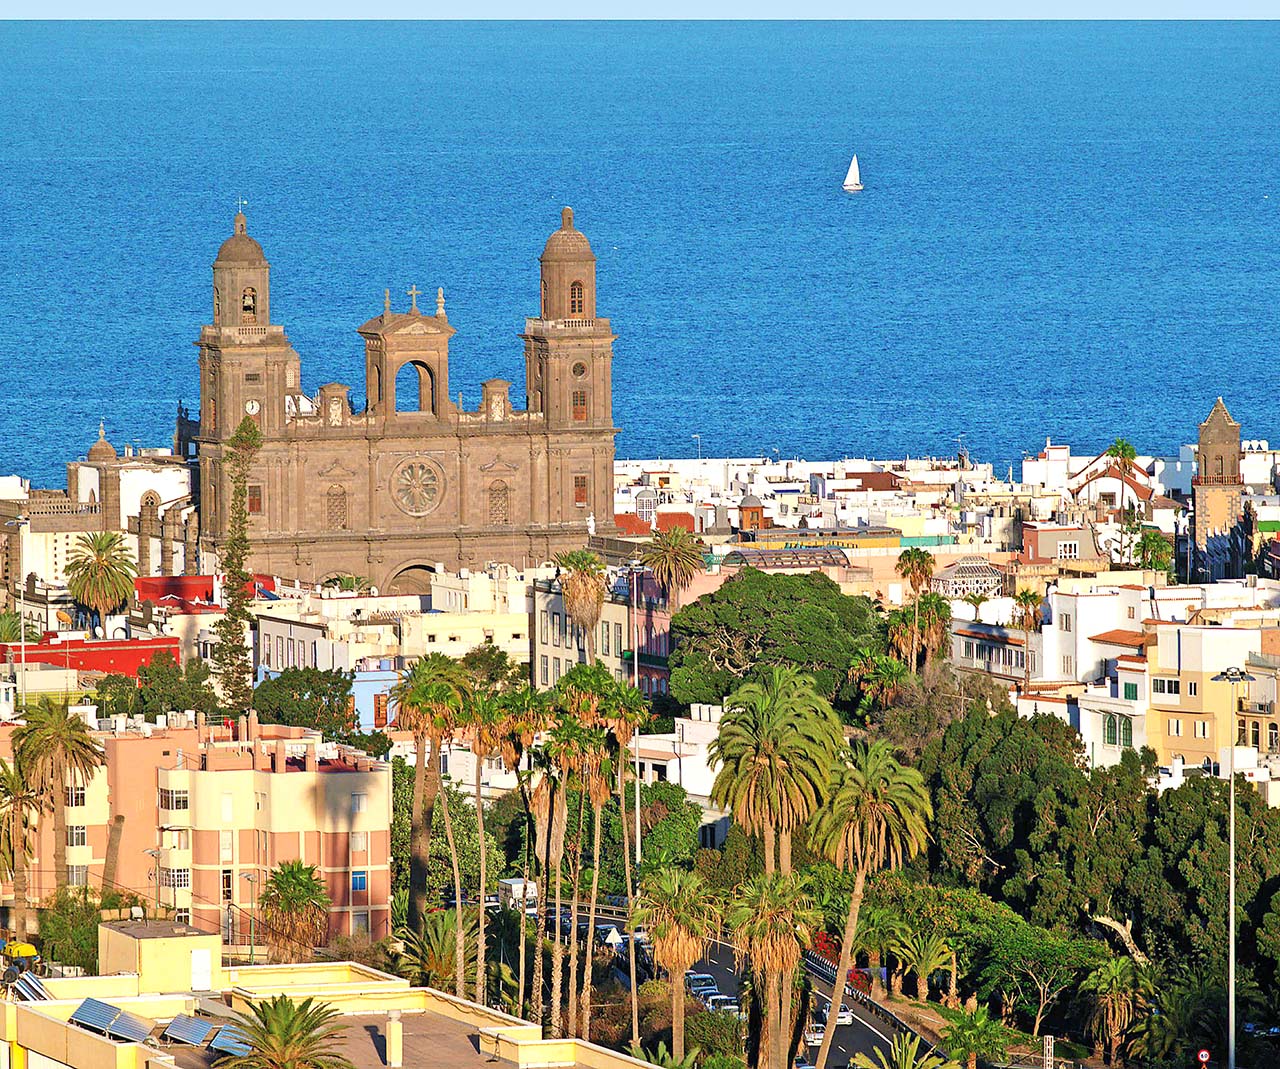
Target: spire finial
column 386, row 302
column 440, row 303
column 566, row 219
column 102, row 430
column 241, row 222
column 413, row 292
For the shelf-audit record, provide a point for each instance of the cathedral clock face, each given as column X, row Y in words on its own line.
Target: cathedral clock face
column 416, row 487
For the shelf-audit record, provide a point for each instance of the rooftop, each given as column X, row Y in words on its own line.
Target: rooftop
column 153, row 929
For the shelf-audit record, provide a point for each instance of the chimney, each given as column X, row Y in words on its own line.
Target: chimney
column 199, row 720
column 309, row 759
column 280, row 764
column 253, row 724
column 242, row 728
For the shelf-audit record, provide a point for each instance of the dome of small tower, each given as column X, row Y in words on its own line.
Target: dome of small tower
column 567, row 243
column 240, row 247
column 102, row 449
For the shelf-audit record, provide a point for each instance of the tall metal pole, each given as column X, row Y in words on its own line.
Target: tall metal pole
column 21, row 523
column 635, row 682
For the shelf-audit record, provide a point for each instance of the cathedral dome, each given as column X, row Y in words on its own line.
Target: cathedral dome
column 750, row 501
column 567, row 243
column 240, row 247
column 102, row 449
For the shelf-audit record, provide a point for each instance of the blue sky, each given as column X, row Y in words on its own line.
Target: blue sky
column 670, row 9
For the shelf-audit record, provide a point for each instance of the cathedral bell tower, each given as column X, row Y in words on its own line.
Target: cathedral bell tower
column 1218, row 499
column 568, row 350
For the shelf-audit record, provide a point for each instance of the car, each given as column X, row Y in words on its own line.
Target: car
column 802, row 1061
column 703, row 989
column 727, row 1003
column 695, row 980
column 608, row 935
column 814, row 1034
column 843, row 1017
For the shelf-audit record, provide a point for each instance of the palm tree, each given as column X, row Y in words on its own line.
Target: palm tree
column 283, row 1034
column 976, row 1035
column 904, row 1053
column 20, row 801
column 882, row 676
column 100, row 571
column 483, row 714
column 295, row 910
column 662, row 1057
column 1122, row 450
column 900, row 633
column 1115, row 996
column 878, row 817
column 427, row 699
column 55, row 746
column 936, row 613
column 776, row 740
column 597, row 774
column 771, row 919
column 878, row 931
column 924, row 953
column 680, row 912
column 1153, row 550
column 915, row 565
column 674, row 557
column 582, row 590
column 1027, row 603
column 358, row 584
column 11, row 632
column 429, row 955
column 977, row 600
column 460, row 942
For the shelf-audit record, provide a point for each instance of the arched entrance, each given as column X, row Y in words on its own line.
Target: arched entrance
column 416, row 579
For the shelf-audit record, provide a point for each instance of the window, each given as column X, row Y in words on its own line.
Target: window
column 217, row 306
column 1273, row 738
column 1065, row 622
column 254, row 499
column 564, row 630
column 579, row 405
column 544, row 627
column 1165, row 686
column 1255, row 734
column 604, row 638
column 577, row 306
column 177, row 879
column 252, row 376
column 1109, row 731
column 555, row 667
column 545, row 669
column 249, row 305
column 1201, row 729
column 172, row 799
column 77, row 835
column 1126, row 732
column 182, row 916
column 555, row 629
column 580, row 491
column 335, row 508
column 228, row 878
column 1068, row 551
column 380, row 710
column 360, row 922
column 360, row 880
column 1132, row 612
column 968, row 649
column 617, row 637
column 75, row 795
column 1240, row 729
column 78, row 875
column 1131, row 692
column 358, row 842
column 266, row 651
column 1068, row 665
column 1175, row 728
column 359, row 802
column 225, row 845
column 279, row 652
column 499, row 505
column 1193, row 688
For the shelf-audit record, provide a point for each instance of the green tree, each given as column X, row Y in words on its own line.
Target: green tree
column 1114, row 992
column 675, row 558
column 877, row 818
column 163, row 687
column 351, row 584
column 307, row 697
column 976, row 1035
column 680, row 917
column 1122, row 450
column 1027, row 604
column 295, row 910
column 492, row 668
column 284, row 1034
column 924, row 953
column 100, row 572
column 232, row 664
column 582, row 589
column 428, row 956
column 774, row 748
column 756, row 621
column 1153, row 550
column 20, row 802
column 117, row 694
column 55, row 747
column 915, row 565
column 481, row 719
column 904, row 1053
column 1031, row 968
column 935, row 624
column 10, row 632
column 69, row 920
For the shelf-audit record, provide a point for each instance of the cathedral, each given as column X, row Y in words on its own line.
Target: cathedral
column 411, row 482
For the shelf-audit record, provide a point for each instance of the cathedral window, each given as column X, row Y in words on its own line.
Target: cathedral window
column 543, row 305
column 253, row 499
column 499, row 504
column 217, row 306
column 249, row 305
column 415, row 388
column 336, row 508
column 580, row 491
column 579, row 402
column 577, row 306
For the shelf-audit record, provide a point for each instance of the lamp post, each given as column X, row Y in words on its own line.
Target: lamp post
column 1235, row 677
column 637, row 577
column 155, row 857
column 252, row 877
column 698, row 439
column 21, row 523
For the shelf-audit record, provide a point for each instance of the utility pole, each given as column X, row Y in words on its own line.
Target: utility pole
column 21, row 523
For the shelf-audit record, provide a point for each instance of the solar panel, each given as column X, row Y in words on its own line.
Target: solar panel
column 230, row 1040
column 129, row 1028
column 30, row 988
column 111, row 1021
column 187, row 1029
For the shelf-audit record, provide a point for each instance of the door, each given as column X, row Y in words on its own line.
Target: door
column 202, row 970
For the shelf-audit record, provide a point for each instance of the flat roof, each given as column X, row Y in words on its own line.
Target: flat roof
column 154, row 929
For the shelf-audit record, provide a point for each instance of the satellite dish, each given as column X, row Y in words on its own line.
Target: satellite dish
column 153, row 629
column 373, row 591
column 99, row 633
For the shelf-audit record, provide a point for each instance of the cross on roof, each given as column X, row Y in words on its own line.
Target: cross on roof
column 413, row 292
column 241, row 204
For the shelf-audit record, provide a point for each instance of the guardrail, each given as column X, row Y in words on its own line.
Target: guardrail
column 825, row 969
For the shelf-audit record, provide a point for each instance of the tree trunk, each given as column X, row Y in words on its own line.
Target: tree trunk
column 540, row 927
column 769, row 1043
column 787, row 996
column 524, row 924
column 953, row 986
column 591, row 924
column 111, row 864
column 972, row 1060
column 842, row 969
column 460, row 981
column 873, row 967
column 769, row 866
column 922, row 986
column 557, row 947
column 573, row 914
column 481, row 979
column 59, row 776
column 626, row 875
column 677, row 1017
column 18, row 838
column 1035, row 1031
column 895, row 980
column 915, row 637
column 419, row 836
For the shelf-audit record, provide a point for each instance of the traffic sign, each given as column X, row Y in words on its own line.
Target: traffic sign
column 1203, row 1056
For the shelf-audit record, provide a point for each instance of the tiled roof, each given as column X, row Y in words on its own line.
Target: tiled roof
column 1120, row 637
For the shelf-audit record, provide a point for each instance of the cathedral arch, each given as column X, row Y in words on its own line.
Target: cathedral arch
column 499, row 504
column 416, row 388
column 414, row 579
column 335, row 508
column 150, row 500
column 577, row 304
column 249, row 305
column 217, row 306
column 542, row 306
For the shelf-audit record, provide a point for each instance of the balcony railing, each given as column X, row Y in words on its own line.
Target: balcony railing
column 1216, row 480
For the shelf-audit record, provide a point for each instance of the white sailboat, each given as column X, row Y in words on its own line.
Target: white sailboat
column 853, row 180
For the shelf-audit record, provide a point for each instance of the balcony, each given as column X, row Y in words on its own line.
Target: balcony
column 1217, row 480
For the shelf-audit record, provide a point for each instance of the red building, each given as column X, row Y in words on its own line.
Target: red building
column 124, row 656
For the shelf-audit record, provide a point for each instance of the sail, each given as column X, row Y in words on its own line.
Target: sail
column 853, row 178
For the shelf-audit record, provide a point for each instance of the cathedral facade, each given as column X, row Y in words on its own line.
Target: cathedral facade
column 412, row 481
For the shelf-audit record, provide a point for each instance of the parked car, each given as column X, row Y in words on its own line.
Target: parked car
column 843, row 1017
column 814, row 1033
column 727, row 1003
column 802, row 1061
column 695, row 980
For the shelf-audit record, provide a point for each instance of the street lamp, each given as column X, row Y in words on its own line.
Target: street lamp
column 252, row 877
column 637, row 577
column 21, row 523
column 698, row 439
column 155, row 856
column 1235, row 677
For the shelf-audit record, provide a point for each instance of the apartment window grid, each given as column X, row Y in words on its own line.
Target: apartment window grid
column 555, row 629
column 266, row 651
column 173, row 798
column 360, row 922
column 1068, row 665
column 77, row 835
column 380, row 710
column 175, row 879
column 604, row 638
column 78, row 875
column 544, row 664
column 1068, row 551
column 544, row 627
column 75, row 795
column 968, row 649
column 1273, row 737
column 182, row 916
column 617, row 638
column 225, row 845
column 359, row 842
column 228, row 881
column 564, row 629
column 359, row 802
column 1166, row 686
column 556, row 669
column 1193, row 688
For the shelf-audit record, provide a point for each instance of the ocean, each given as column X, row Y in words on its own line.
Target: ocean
column 1067, row 229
